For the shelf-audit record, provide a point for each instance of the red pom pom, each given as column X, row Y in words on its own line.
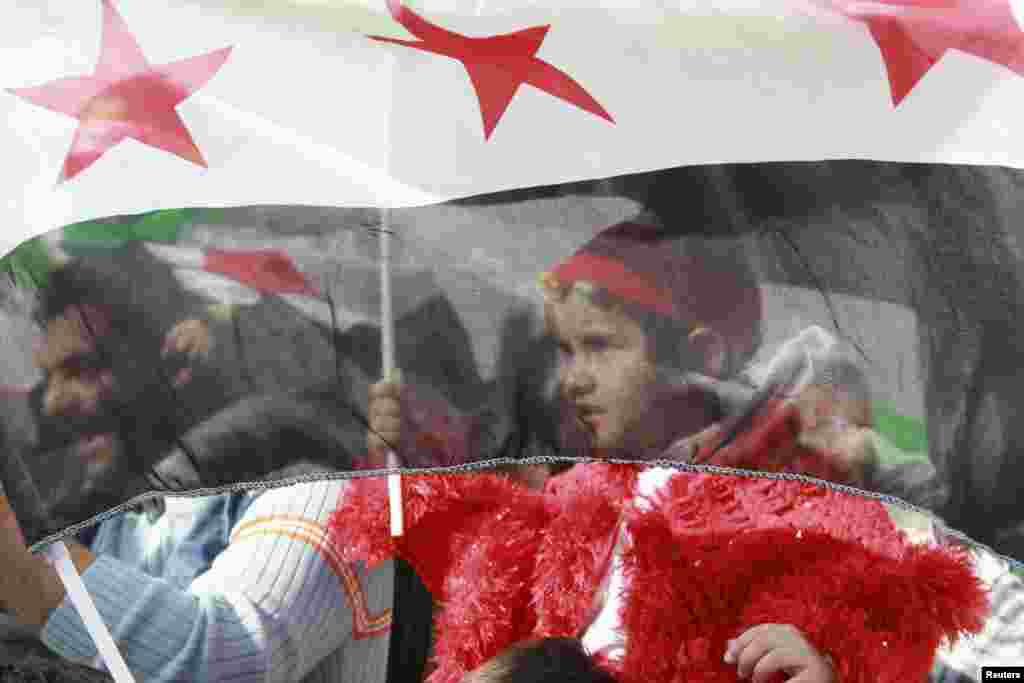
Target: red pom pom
column 712, row 556
column 719, row 554
column 359, row 525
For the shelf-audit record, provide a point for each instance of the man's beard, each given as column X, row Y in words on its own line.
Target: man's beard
column 102, row 469
column 83, row 465
column 105, row 442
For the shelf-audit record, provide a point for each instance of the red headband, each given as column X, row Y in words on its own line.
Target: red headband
column 612, row 276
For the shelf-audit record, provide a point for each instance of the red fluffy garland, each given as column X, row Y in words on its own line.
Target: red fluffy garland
column 747, row 551
column 715, row 554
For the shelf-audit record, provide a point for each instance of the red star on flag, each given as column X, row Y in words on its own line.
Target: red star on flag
column 125, row 97
column 497, row 65
column 914, row 34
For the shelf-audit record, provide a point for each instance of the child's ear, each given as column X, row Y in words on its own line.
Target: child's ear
column 710, row 349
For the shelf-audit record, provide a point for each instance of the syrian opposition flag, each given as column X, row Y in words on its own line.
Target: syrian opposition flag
column 382, row 103
column 122, row 107
column 241, row 277
column 235, row 277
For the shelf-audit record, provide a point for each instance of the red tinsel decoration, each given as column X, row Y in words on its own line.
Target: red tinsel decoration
column 712, row 556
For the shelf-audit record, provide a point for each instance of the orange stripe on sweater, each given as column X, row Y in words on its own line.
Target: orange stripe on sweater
column 365, row 625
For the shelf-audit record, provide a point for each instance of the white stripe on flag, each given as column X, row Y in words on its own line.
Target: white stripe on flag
column 188, row 264
column 308, row 111
column 181, row 257
column 217, row 288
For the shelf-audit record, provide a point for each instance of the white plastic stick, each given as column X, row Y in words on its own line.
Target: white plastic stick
column 387, row 350
column 59, row 557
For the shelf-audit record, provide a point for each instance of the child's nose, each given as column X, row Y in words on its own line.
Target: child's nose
column 577, row 380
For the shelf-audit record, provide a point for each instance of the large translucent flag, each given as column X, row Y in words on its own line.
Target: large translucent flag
column 774, row 239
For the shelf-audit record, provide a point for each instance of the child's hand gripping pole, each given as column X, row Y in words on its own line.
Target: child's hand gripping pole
column 387, row 343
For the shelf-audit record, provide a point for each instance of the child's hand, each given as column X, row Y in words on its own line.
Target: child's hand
column 853, row 453
column 190, row 341
column 784, row 439
column 840, row 425
column 769, row 649
column 385, row 417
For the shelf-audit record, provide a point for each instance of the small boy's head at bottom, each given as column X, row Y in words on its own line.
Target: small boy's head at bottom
column 543, row 660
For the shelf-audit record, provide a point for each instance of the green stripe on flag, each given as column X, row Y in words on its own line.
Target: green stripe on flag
column 888, row 454
column 906, row 433
column 29, row 265
column 158, row 226
column 211, row 216
column 902, row 440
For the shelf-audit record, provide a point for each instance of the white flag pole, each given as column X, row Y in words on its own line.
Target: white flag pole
column 59, row 557
column 387, row 344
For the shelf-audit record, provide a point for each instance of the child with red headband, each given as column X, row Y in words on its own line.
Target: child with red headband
column 647, row 324
column 666, row 576
column 659, row 318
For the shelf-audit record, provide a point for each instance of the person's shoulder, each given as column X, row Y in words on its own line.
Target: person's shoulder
column 306, row 498
column 297, row 489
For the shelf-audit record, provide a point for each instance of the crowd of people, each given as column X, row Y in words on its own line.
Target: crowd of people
column 551, row 570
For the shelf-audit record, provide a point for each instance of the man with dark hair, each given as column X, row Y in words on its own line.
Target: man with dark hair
column 241, row 586
column 123, row 376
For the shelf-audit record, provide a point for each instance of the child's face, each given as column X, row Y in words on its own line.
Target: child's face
column 607, row 376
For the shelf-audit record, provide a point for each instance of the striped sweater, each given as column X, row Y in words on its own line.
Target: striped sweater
column 1001, row 642
column 240, row 587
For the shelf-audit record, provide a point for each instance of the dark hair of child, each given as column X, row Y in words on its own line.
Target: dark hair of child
column 543, row 660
